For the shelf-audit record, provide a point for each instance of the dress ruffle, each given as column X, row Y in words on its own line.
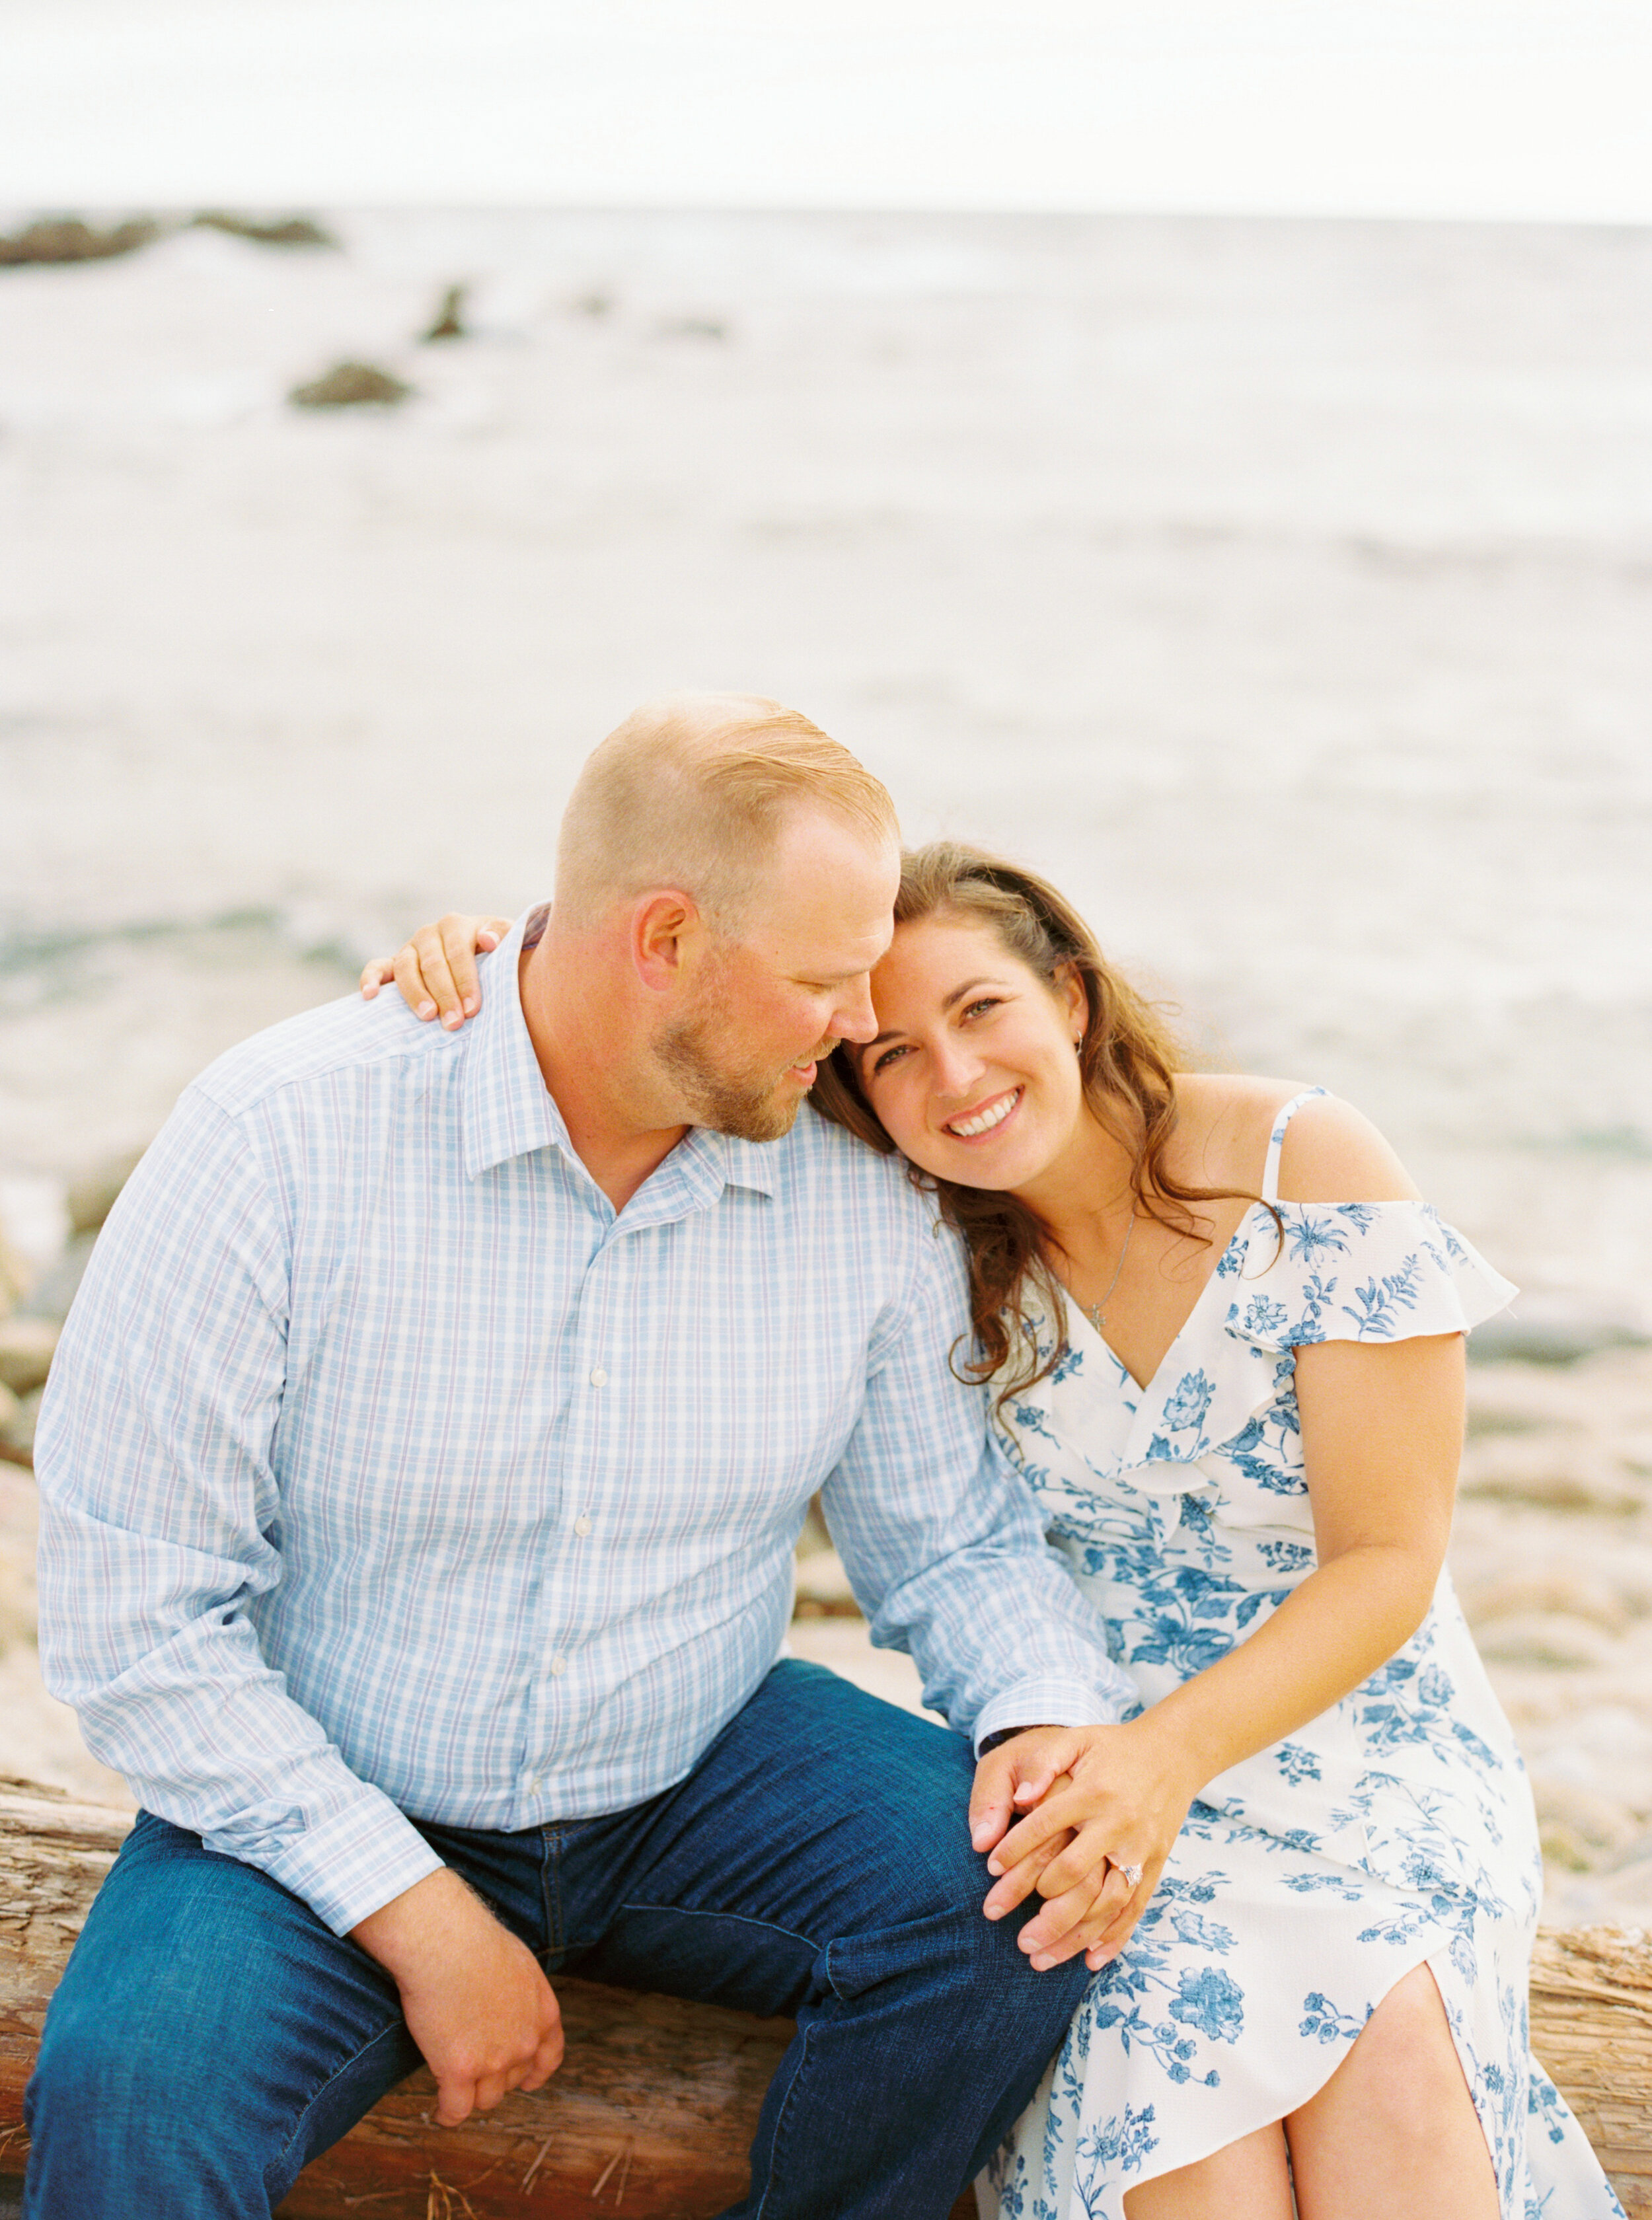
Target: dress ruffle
column 1353, row 1271
column 1209, row 1424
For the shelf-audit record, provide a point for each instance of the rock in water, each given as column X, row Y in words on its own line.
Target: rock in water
column 448, row 323
column 351, row 385
column 266, row 231
column 67, row 239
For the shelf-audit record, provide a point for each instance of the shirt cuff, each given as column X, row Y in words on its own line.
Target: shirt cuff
column 354, row 1862
column 1047, row 1702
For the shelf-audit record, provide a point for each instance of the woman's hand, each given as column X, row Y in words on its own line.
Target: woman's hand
column 1093, row 1800
column 436, row 969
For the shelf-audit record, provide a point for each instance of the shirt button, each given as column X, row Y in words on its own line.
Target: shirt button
column 599, row 1378
column 559, row 1667
column 581, row 1525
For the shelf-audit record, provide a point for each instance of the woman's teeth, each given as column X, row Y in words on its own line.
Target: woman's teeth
column 984, row 1120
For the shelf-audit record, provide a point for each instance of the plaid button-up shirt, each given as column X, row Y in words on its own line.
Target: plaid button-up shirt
column 386, row 1471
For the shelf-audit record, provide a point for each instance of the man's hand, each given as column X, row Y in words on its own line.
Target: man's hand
column 1063, row 1810
column 476, row 2003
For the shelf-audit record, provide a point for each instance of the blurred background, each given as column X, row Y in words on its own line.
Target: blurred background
column 1204, row 450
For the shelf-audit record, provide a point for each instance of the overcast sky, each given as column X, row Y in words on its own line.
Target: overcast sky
column 1453, row 108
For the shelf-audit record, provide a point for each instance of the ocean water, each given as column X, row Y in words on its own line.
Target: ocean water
column 1283, row 588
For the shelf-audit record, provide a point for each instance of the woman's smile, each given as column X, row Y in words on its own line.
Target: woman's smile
column 975, row 1124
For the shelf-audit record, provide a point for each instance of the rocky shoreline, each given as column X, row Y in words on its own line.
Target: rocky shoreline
column 1551, row 1553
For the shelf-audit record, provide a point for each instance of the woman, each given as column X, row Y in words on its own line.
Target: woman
column 1223, row 1338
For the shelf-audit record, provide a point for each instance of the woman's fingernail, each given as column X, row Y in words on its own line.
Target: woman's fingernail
column 469, row 1005
column 452, row 1019
column 426, row 1010
column 994, row 1868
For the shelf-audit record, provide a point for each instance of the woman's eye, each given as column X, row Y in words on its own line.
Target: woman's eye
column 887, row 1057
column 987, row 1002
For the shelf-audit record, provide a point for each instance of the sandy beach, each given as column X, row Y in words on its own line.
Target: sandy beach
column 1282, row 589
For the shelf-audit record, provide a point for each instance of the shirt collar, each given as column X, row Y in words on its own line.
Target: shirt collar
column 509, row 1111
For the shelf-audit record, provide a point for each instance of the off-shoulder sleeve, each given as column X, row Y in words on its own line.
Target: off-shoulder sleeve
column 1357, row 1271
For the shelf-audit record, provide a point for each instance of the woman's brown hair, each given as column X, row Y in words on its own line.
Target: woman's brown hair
column 1126, row 1061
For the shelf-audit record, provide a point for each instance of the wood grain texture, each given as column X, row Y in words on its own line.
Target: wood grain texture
column 654, row 2108
column 1592, row 2027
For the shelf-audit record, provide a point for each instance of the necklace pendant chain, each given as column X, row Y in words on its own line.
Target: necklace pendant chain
column 1097, row 1312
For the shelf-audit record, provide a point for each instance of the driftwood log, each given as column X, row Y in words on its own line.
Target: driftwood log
column 655, row 2105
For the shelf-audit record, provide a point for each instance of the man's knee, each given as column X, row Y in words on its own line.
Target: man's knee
column 972, row 1968
column 202, row 2009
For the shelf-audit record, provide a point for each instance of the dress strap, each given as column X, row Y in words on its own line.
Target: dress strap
column 1276, row 1142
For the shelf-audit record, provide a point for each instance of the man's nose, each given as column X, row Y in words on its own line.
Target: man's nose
column 854, row 1019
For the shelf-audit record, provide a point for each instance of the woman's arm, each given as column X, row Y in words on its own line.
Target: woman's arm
column 1381, row 1435
column 436, row 969
column 1381, row 1439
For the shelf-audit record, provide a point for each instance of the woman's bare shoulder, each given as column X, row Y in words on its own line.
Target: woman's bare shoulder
column 1332, row 1153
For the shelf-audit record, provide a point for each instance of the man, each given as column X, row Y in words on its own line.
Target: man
column 422, row 1469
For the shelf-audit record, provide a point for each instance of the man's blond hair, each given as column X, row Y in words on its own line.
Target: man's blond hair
column 692, row 792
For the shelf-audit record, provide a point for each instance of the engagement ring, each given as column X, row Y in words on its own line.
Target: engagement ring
column 1132, row 1875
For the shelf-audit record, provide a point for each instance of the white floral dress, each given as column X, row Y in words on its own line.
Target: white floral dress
column 1393, row 1831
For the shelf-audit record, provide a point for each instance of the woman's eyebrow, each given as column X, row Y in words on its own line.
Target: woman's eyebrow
column 948, row 1001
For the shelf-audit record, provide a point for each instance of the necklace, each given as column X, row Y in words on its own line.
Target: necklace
column 1097, row 1312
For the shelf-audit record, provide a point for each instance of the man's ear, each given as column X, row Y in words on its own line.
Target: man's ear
column 668, row 936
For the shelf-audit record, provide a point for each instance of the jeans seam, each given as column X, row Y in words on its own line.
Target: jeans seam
column 343, row 2068
column 742, row 1918
column 802, row 2038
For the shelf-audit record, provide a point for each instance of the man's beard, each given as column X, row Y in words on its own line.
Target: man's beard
column 752, row 1106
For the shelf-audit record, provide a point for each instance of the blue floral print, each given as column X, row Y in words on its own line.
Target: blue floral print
column 1323, row 2020
column 1188, row 1402
column 1393, row 1831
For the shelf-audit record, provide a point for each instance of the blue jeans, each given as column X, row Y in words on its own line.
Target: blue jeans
column 210, row 2035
